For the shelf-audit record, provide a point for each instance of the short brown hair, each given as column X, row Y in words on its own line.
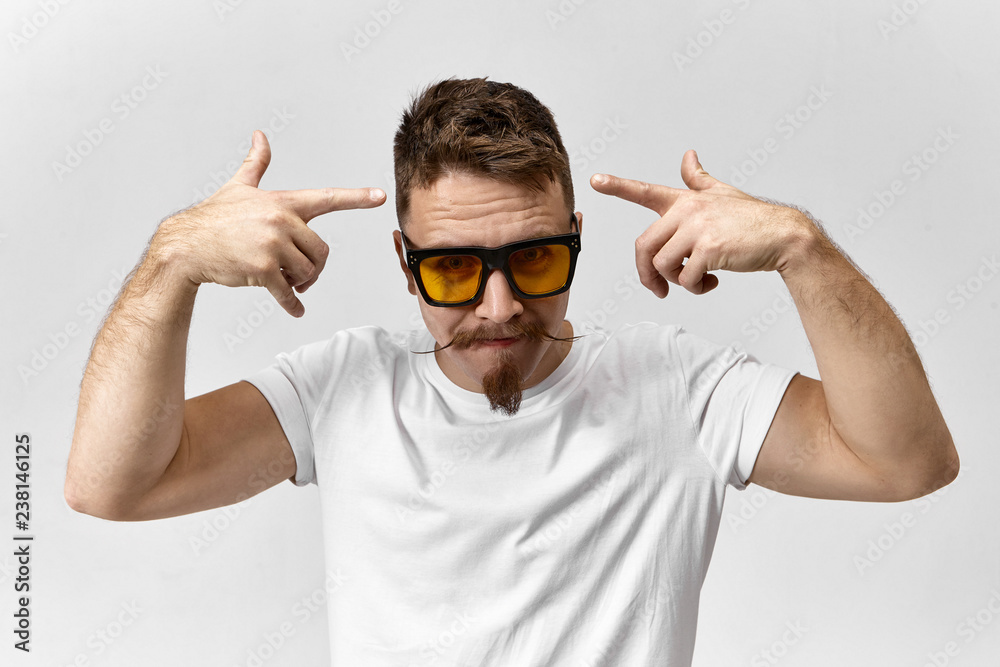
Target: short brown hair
column 480, row 127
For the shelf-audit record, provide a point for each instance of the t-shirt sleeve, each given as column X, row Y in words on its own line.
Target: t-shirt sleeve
column 294, row 386
column 732, row 398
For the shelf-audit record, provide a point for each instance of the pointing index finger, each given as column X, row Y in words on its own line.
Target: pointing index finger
column 309, row 204
column 658, row 198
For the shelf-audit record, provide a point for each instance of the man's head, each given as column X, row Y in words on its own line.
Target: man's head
column 485, row 128
column 481, row 163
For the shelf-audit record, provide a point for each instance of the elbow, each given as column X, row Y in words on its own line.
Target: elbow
column 950, row 471
column 83, row 502
column 940, row 472
column 89, row 489
column 948, row 464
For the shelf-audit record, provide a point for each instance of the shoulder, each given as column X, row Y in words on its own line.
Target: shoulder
column 677, row 341
column 649, row 346
column 362, row 346
column 646, row 336
column 632, row 351
column 372, row 337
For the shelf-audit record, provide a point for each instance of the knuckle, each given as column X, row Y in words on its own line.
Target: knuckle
column 272, row 240
column 266, row 267
column 695, row 203
column 274, row 217
column 279, row 197
column 326, row 198
column 711, row 244
column 646, row 246
column 645, row 191
column 269, row 246
column 284, row 301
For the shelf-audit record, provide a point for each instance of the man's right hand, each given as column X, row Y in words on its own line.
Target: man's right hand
column 245, row 236
column 140, row 450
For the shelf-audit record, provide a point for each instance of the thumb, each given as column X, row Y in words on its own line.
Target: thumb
column 694, row 175
column 256, row 161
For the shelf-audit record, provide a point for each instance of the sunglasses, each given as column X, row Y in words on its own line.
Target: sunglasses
column 535, row 268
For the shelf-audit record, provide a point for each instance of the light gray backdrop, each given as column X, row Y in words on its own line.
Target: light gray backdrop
column 878, row 117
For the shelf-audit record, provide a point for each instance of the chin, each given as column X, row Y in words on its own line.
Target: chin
column 476, row 371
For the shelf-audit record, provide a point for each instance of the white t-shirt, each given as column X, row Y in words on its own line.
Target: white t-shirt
column 576, row 533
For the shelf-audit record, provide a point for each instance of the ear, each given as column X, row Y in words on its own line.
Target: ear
column 579, row 221
column 398, row 242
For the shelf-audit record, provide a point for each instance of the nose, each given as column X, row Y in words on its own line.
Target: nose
column 499, row 303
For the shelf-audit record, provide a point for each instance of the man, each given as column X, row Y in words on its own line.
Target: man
column 504, row 487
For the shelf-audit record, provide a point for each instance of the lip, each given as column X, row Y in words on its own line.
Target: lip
column 498, row 342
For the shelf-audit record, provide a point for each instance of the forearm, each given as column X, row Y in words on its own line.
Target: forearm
column 131, row 408
column 877, row 393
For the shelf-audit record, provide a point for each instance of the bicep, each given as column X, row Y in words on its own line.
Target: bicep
column 232, row 448
column 803, row 455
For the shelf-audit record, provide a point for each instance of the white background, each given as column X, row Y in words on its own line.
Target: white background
column 212, row 596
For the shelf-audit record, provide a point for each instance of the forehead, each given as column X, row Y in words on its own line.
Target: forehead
column 461, row 209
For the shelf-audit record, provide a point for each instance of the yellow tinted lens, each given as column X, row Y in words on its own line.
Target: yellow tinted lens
column 451, row 278
column 540, row 269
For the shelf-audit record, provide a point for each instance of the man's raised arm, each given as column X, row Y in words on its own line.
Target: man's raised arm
column 871, row 430
column 140, row 451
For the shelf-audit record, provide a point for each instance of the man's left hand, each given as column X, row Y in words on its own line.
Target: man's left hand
column 712, row 224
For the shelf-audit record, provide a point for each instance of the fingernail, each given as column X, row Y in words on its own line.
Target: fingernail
column 376, row 194
column 600, row 179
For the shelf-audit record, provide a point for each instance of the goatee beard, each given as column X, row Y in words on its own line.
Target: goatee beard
column 502, row 384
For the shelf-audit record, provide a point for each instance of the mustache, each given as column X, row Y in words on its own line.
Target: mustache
column 529, row 330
